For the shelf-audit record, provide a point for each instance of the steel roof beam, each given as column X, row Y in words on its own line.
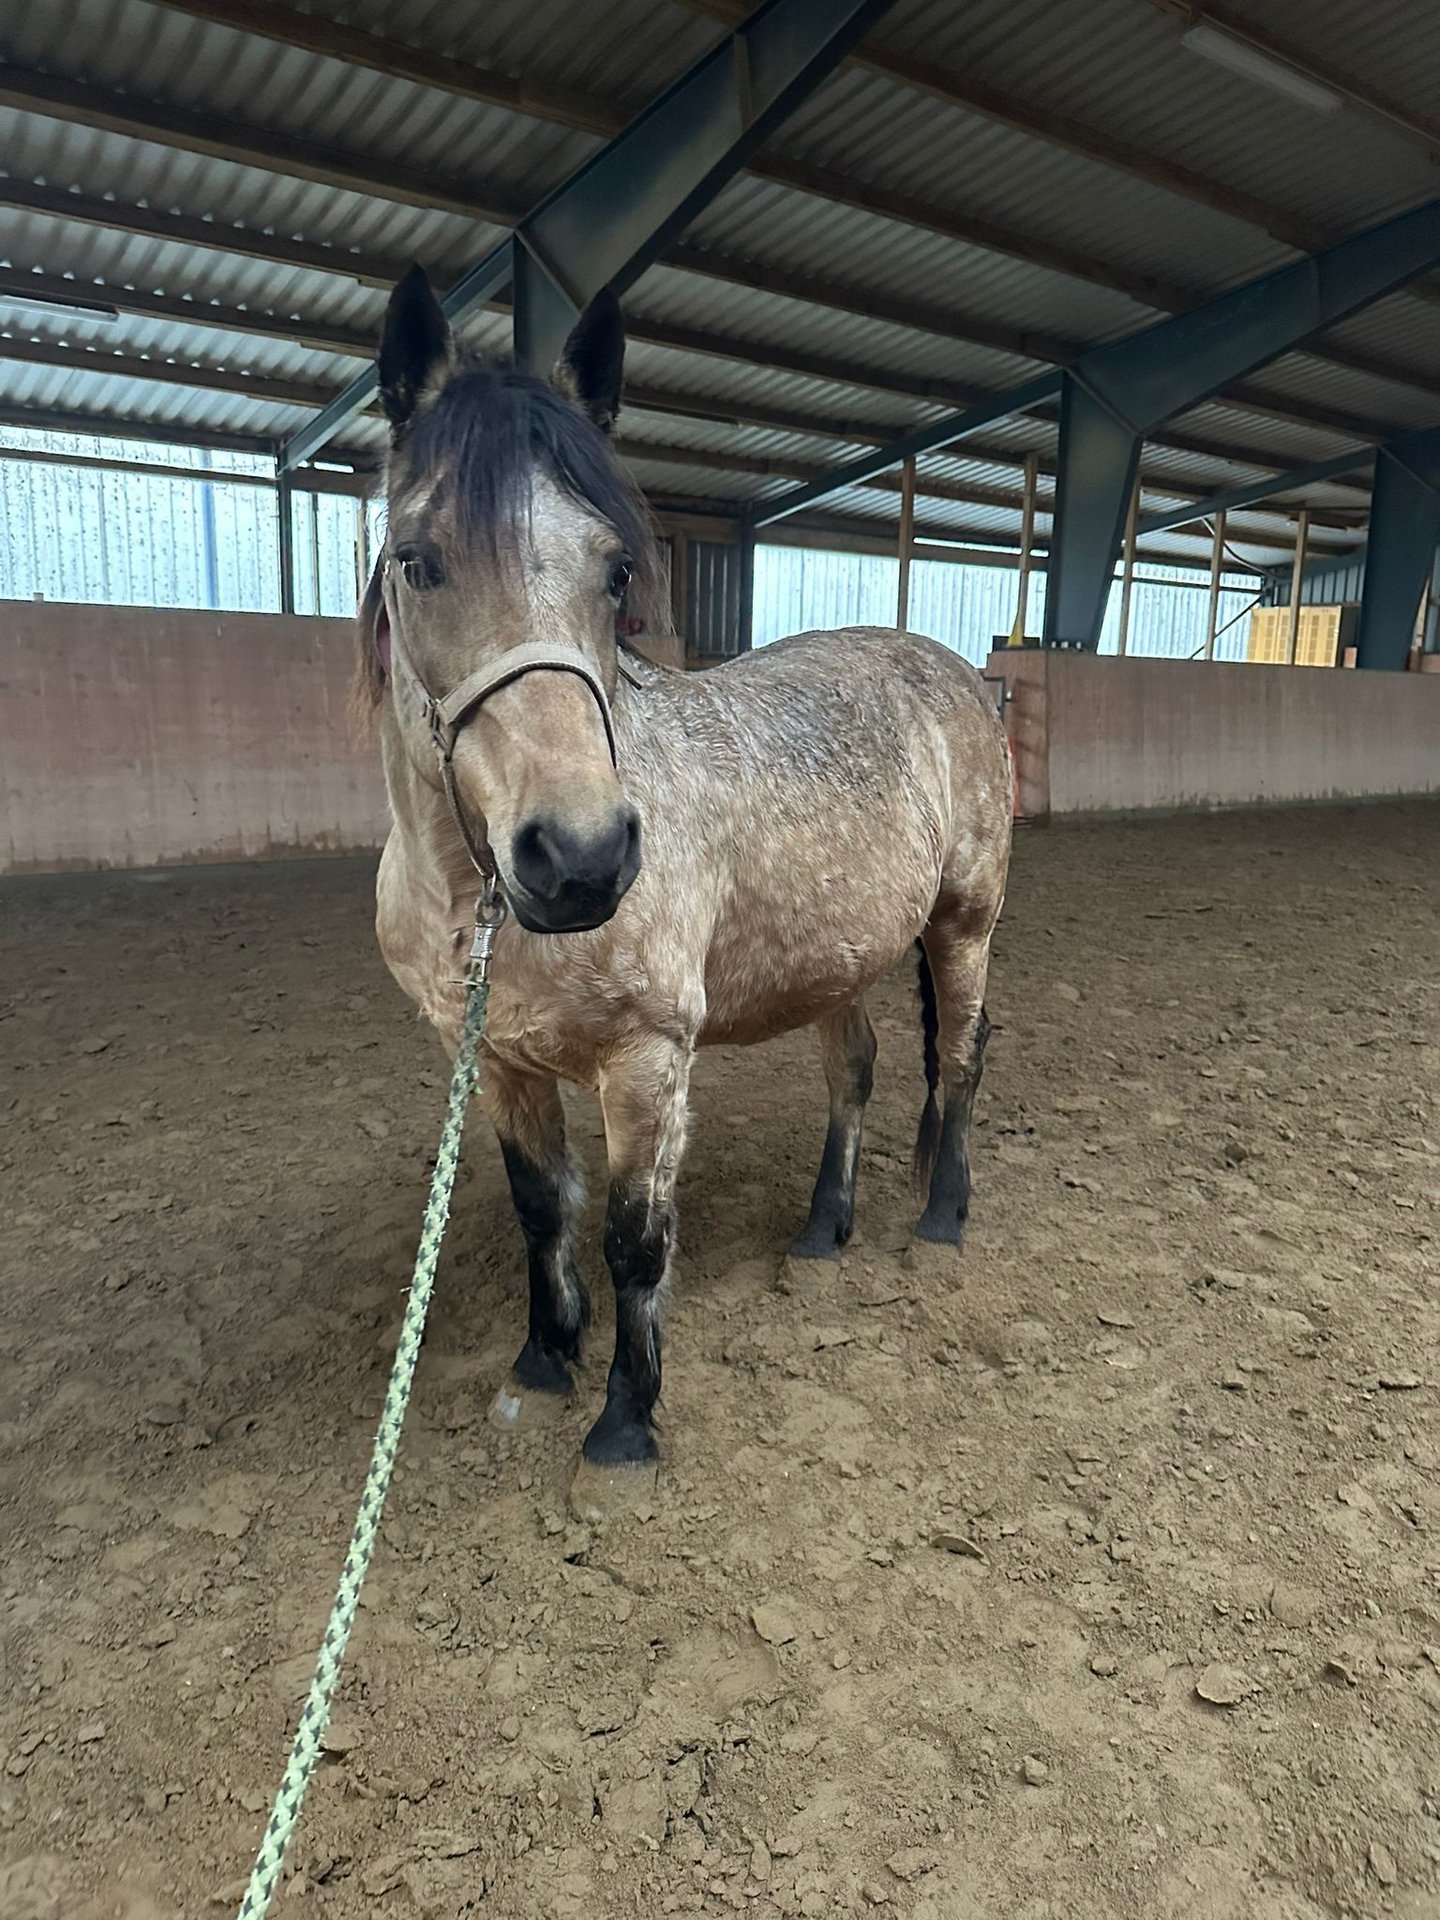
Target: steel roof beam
column 1400, row 553
column 1116, row 394
column 928, row 486
column 645, row 399
column 372, row 270
column 572, row 107
column 615, row 214
column 85, row 104
column 262, row 387
column 928, row 439
column 1257, row 492
column 254, row 146
column 848, row 527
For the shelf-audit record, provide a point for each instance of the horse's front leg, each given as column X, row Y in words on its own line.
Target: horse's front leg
column 548, row 1195
column 643, row 1094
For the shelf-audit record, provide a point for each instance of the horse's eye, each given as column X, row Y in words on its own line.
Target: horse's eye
column 420, row 569
column 618, row 579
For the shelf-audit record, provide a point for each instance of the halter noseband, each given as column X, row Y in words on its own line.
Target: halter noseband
column 445, row 716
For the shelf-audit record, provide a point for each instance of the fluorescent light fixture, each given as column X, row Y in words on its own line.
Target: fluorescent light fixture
column 71, row 309
column 1213, row 43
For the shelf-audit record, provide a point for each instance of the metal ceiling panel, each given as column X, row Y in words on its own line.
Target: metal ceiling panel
column 1115, row 65
column 1118, row 66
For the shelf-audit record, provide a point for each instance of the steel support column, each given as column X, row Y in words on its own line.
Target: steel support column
column 1094, row 485
column 610, row 219
column 1404, row 530
column 1116, row 394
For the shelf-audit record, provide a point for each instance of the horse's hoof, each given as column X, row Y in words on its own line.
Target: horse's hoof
column 944, row 1228
column 517, row 1408
column 623, row 1436
column 600, row 1493
column 820, row 1242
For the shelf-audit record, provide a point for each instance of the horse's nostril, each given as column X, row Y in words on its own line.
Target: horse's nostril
column 550, row 860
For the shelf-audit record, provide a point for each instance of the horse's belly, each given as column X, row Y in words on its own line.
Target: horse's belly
column 782, row 1013
column 769, row 972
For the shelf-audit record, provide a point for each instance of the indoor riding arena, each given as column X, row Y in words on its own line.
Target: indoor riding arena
column 1086, row 1569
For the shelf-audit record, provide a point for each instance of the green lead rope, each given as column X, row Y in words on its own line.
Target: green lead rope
column 310, row 1733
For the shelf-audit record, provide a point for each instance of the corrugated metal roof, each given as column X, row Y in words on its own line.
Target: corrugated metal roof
column 1119, row 65
column 1088, row 252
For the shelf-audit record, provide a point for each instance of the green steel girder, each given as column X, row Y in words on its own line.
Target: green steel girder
column 1116, row 394
column 610, row 219
column 1399, row 555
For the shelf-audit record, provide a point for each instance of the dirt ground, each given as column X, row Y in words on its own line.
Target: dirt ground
column 1094, row 1573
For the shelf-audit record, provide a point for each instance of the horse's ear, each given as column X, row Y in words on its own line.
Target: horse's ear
column 592, row 366
column 413, row 347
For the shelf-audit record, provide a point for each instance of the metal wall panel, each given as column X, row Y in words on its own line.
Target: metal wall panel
column 967, row 607
column 712, row 600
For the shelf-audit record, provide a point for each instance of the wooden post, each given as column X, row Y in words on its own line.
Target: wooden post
column 314, row 500
column 362, row 550
column 907, row 541
column 745, row 637
column 680, row 588
column 285, row 526
column 1127, row 572
column 1027, row 548
column 1297, row 576
column 1217, row 566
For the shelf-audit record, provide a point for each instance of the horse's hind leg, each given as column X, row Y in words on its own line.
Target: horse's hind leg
column 958, row 957
column 847, row 1044
column 548, row 1194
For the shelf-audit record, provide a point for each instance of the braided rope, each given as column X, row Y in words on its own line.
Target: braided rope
column 315, row 1718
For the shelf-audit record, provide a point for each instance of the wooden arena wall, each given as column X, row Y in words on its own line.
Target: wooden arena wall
column 1095, row 734
column 137, row 736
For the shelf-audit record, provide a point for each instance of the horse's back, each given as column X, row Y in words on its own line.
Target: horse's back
column 905, row 663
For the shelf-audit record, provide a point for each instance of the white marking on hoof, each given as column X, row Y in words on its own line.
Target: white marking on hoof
column 506, row 1408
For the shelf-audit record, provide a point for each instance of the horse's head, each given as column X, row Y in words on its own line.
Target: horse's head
column 513, row 542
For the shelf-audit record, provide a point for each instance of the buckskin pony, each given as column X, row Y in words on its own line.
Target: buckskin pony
column 687, row 859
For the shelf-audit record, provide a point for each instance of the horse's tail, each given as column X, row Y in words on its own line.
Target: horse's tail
column 927, row 1140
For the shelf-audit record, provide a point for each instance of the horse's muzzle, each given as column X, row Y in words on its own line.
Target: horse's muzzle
column 566, row 881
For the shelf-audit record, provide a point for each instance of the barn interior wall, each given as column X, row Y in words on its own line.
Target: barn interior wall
column 169, row 736
column 1097, row 735
column 139, row 736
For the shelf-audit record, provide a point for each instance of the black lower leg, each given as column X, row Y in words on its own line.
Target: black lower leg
column 851, row 1077
column 948, row 1204
column 544, row 1199
column 638, row 1239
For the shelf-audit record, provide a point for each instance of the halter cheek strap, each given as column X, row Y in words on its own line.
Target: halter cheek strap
column 446, row 716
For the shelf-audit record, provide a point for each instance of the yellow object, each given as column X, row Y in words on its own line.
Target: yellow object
column 1317, row 644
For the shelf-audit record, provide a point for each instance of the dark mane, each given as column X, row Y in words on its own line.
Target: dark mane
column 485, row 434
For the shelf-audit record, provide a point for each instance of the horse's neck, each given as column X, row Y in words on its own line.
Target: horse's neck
column 435, row 856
